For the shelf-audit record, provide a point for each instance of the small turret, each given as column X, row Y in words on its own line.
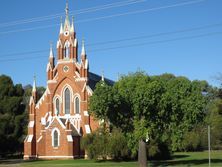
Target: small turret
column 51, row 56
column 84, row 61
column 83, row 52
column 50, row 65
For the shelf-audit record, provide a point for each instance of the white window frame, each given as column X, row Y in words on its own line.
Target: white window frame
column 52, row 134
column 77, row 96
column 54, row 104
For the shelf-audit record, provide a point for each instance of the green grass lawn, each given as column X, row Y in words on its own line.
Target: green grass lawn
column 179, row 159
column 194, row 159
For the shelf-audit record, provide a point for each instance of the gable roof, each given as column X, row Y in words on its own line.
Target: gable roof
column 94, row 79
column 62, row 122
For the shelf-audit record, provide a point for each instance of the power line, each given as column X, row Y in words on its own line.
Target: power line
column 156, row 35
column 143, row 11
column 108, row 6
column 28, row 29
column 77, row 12
column 21, row 59
column 131, row 45
column 125, row 39
column 111, row 16
column 159, row 41
column 24, row 53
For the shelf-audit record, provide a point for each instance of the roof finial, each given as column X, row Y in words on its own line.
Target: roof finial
column 34, row 84
column 72, row 26
column 51, row 50
column 67, row 8
column 83, row 47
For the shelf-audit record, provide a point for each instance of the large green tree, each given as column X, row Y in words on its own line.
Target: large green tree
column 214, row 119
column 12, row 116
column 159, row 108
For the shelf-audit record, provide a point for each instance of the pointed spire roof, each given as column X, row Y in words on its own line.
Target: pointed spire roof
column 83, row 48
column 51, row 51
column 67, row 23
column 34, row 84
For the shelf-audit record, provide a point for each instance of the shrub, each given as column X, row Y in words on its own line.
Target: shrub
column 102, row 145
column 158, row 150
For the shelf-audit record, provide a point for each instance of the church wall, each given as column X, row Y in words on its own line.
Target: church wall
column 67, row 72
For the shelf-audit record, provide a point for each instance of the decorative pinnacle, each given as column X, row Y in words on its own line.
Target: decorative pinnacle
column 51, row 50
column 61, row 27
column 83, row 48
column 72, row 26
column 34, row 84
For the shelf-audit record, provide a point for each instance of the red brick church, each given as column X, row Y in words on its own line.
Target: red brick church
column 59, row 119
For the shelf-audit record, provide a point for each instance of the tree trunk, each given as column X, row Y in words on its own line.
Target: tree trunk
column 142, row 158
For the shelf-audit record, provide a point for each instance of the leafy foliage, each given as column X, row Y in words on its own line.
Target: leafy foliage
column 102, row 145
column 214, row 119
column 12, row 116
column 14, row 102
column 161, row 108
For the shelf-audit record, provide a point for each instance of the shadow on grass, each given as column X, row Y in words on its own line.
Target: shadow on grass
column 180, row 156
column 115, row 160
column 10, row 161
column 184, row 162
column 15, row 161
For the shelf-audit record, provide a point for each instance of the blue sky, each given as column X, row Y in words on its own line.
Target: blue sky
column 182, row 37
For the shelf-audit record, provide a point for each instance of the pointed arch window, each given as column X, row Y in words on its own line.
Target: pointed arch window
column 55, row 137
column 57, row 106
column 77, row 105
column 67, row 101
column 66, row 50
